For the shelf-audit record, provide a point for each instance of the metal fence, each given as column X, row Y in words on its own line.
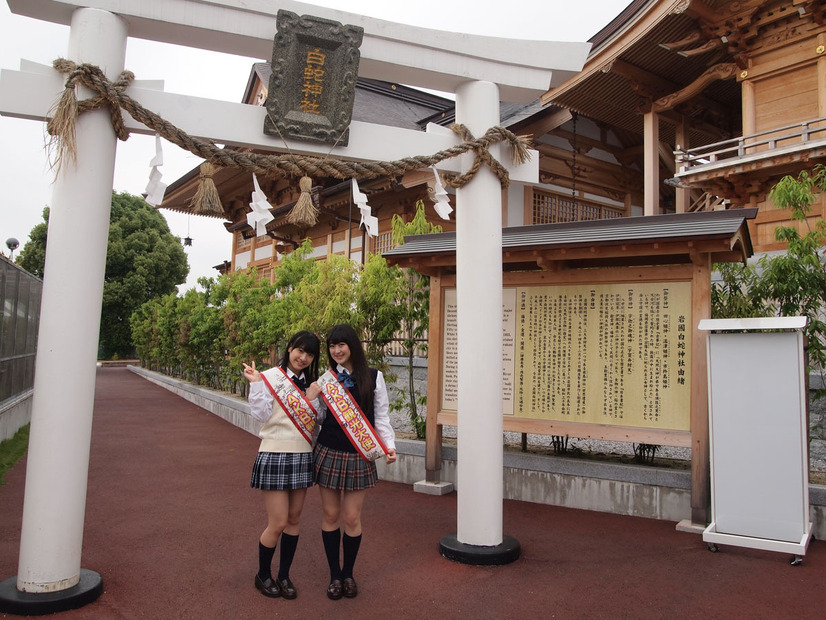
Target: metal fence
column 20, row 293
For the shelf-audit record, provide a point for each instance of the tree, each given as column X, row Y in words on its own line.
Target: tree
column 324, row 297
column 734, row 295
column 243, row 301
column 789, row 284
column 795, row 282
column 143, row 260
column 201, row 334
column 33, row 255
column 378, row 292
column 414, row 303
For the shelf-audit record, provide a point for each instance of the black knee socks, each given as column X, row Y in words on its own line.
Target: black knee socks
column 350, row 545
column 331, row 544
column 265, row 561
column 288, row 545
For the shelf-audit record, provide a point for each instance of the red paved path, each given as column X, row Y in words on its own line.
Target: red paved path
column 172, row 528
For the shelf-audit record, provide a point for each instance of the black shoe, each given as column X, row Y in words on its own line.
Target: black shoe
column 267, row 587
column 349, row 587
column 334, row 589
column 288, row 590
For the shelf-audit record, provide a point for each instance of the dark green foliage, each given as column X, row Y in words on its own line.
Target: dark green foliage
column 32, row 257
column 143, row 261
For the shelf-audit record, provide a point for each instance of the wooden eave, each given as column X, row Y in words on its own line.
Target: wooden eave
column 763, row 169
column 229, row 181
column 648, row 240
column 634, row 66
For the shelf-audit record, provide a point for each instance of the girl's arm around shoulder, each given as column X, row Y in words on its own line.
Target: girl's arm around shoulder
column 313, row 396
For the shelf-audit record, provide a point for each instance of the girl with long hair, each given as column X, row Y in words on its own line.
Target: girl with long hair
column 343, row 475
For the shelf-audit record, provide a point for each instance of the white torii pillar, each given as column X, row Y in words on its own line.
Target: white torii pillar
column 479, row 538
column 478, row 69
column 64, row 389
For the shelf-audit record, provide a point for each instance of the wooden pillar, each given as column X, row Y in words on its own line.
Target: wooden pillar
column 682, row 197
column 700, row 453
column 433, row 432
column 651, row 163
column 821, row 78
column 749, row 113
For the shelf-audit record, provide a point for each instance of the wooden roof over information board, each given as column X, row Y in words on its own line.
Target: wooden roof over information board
column 645, row 240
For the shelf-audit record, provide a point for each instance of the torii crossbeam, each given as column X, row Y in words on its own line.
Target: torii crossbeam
column 479, row 70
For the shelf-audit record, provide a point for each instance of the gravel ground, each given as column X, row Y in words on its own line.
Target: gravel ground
column 600, row 448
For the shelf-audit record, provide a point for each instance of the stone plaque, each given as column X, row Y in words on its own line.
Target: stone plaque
column 314, row 69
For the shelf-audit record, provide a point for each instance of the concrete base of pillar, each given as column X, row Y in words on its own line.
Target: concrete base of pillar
column 504, row 553
column 686, row 525
column 433, row 488
column 13, row 601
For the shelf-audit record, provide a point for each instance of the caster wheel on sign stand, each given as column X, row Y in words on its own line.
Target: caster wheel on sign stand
column 713, row 548
column 796, row 560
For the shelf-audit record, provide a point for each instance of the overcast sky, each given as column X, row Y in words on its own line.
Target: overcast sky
column 24, row 174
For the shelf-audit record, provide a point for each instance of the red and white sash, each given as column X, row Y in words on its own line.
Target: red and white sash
column 292, row 401
column 351, row 418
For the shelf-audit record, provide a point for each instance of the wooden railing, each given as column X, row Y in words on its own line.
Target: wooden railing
column 708, row 202
column 799, row 135
column 550, row 208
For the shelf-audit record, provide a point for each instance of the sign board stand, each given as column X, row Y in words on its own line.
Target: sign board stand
column 758, row 435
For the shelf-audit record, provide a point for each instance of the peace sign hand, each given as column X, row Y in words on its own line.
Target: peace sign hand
column 250, row 374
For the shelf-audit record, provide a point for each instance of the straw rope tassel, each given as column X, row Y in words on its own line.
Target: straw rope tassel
column 206, row 200
column 519, row 149
column 304, row 213
column 62, row 126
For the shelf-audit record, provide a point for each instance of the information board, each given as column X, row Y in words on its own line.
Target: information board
column 616, row 354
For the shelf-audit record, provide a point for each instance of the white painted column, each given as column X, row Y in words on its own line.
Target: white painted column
column 479, row 321
column 58, row 458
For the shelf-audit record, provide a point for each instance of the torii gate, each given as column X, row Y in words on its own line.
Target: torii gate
column 479, row 70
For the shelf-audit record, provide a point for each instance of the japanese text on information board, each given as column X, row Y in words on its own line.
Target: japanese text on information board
column 614, row 354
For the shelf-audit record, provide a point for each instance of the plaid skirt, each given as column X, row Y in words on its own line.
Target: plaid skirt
column 346, row 471
column 282, row 471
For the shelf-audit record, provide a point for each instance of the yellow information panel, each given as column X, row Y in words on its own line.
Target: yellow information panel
column 613, row 354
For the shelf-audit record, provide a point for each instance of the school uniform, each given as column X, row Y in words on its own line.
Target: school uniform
column 337, row 463
column 285, row 457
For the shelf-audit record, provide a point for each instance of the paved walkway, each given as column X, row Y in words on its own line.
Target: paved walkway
column 172, row 528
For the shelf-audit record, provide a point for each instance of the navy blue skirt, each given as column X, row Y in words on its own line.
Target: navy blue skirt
column 282, row 471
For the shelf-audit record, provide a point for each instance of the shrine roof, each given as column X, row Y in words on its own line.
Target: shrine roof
column 721, row 233
column 652, row 49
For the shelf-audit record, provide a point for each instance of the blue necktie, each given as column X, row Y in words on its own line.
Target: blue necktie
column 346, row 379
